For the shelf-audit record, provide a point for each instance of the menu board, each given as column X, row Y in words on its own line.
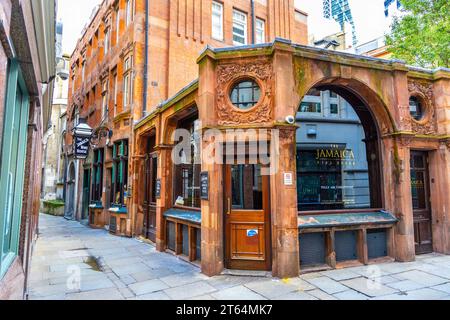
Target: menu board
column 204, row 186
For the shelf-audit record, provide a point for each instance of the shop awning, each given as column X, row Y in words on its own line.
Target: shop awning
column 346, row 219
column 184, row 215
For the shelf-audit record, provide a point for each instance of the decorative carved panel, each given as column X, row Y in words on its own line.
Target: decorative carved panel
column 423, row 90
column 227, row 75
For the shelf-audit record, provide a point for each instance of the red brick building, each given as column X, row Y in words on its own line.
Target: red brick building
column 121, row 71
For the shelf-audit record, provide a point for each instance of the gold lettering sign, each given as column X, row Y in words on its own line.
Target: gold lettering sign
column 335, row 155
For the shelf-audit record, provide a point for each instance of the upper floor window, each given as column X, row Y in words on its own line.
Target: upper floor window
column 106, row 45
column 127, row 83
column 217, row 21
column 239, row 28
column 83, row 71
column 128, row 12
column 312, row 103
column 104, row 99
column 117, row 25
column 260, row 31
column 115, row 93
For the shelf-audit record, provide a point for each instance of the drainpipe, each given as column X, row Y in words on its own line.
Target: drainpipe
column 253, row 21
column 144, row 109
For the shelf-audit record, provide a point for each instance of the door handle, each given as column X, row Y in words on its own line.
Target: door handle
column 229, row 206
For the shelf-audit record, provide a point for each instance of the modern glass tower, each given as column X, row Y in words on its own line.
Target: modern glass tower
column 339, row 10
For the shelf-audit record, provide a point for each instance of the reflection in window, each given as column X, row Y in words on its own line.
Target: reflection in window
column 245, row 94
column 313, row 107
column 246, row 181
column 120, row 173
column 187, row 174
column 97, row 178
column 415, row 108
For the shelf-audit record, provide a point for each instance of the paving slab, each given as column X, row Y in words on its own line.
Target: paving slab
column 190, row 290
column 149, row 286
column 327, row 285
column 405, row 285
column 443, row 287
column 351, row 295
column 421, row 294
column 369, row 287
column 271, row 288
column 237, row 293
column 319, row 294
column 423, row 278
column 103, row 294
column 342, row 274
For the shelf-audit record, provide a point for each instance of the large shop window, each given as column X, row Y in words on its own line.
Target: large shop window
column 187, row 174
column 13, row 154
column 120, row 174
column 332, row 163
column 97, row 180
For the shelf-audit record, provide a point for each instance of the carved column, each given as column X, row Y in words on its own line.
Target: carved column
column 285, row 247
column 165, row 200
column 404, row 232
column 212, row 219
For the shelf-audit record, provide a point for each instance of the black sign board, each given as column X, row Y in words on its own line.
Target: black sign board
column 204, row 186
column 158, row 189
column 81, row 147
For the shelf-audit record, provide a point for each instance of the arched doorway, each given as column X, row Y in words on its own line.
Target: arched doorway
column 339, row 180
column 70, row 199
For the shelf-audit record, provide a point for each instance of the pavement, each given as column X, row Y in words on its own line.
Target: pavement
column 74, row 262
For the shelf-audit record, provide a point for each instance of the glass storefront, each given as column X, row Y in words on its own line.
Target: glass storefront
column 332, row 167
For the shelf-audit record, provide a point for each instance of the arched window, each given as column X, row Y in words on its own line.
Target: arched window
column 245, row 94
column 337, row 155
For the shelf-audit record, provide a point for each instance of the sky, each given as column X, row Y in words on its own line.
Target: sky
column 368, row 15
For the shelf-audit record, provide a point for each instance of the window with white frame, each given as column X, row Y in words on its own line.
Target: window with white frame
column 239, row 28
column 106, row 45
column 127, row 83
column 117, row 25
column 312, row 102
column 217, row 21
column 104, row 99
column 115, row 94
column 260, row 31
column 128, row 12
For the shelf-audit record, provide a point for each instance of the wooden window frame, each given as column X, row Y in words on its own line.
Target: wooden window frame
column 119, row 179
column 97, row 177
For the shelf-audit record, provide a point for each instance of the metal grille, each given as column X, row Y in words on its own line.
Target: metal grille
column 312, row 249
column 185, row 231
column 377, row 243
column 345, row 246
column 171, row 235
column 113, row 224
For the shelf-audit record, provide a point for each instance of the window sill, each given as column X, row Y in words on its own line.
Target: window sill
column 118, row 210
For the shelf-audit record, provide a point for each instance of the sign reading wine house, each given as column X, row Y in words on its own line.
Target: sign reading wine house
column 81, row 147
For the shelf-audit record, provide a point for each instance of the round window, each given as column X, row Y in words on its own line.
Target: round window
column 415, row 108
column 245, row 94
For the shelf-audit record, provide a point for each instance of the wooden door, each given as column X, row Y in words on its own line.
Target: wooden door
column 86, row 194
column 151, row 167
column 420, row 190
column 247, row 218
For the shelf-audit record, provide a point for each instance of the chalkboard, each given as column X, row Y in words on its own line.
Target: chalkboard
column 204, row 186
column 158, row 189
column 81, row 147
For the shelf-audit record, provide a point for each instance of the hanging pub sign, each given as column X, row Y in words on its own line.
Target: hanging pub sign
column 158, row 189
column 82, row 134
column 81, row 147
column 204, row 186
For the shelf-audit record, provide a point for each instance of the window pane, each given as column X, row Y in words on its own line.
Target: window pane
column 334, row 108
column 246, row 182
column 311, row 107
